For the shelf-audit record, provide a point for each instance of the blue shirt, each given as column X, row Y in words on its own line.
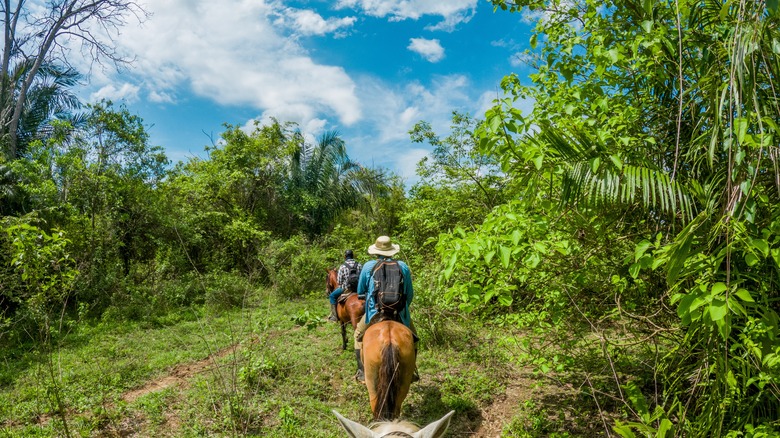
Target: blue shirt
column 366, row 288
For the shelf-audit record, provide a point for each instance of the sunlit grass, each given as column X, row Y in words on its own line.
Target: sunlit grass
column 272, row 370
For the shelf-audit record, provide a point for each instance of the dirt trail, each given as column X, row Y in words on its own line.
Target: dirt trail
column 179, row 376
column 501, row 411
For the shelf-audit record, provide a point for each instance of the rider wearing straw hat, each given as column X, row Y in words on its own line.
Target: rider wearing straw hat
column 384, row 249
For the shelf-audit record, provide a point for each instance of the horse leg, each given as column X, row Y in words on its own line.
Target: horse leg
column 343, row 336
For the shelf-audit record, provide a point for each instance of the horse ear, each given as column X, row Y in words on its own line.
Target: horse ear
column 435, row 429
column 355, row 430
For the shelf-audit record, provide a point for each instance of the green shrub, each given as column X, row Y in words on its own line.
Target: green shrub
column 296, row 266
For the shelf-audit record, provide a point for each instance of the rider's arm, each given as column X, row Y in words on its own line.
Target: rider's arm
column 365, row 278
column 408, row 289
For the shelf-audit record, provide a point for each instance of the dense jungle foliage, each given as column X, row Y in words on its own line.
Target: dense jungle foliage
column 635, row 207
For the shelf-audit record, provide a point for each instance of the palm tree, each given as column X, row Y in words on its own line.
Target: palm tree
column 49, row 98
column 324, row 182
column 10, row 195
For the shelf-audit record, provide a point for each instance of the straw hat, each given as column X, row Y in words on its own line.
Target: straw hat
column 383, row 246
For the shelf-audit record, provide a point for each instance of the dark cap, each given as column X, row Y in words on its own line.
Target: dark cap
column 348, row 254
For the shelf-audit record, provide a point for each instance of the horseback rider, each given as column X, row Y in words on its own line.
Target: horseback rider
column 384, row 250
column 348, row 275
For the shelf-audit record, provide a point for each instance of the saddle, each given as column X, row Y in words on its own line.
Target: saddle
column 379, row 317
column 343, row 297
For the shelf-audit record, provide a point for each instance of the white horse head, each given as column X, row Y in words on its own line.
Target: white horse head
column 400, row 429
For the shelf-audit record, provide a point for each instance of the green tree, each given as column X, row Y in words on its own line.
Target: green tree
column 668, row 110
column 458, row 185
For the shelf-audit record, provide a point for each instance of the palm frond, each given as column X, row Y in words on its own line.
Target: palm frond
column 590, row 178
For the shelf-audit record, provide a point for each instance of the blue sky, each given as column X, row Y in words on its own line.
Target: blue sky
column 368, row 69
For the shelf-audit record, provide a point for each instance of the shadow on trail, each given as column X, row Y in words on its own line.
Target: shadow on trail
column 431, row 407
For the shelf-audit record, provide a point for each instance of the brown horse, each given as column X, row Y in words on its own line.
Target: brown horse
column 389, row 361
column 396, row 428
column 349, row 311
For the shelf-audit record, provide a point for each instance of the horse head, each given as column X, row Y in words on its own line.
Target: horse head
column 395, row 428
column 331, row 281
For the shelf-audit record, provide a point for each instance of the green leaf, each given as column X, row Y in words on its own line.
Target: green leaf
column 744, row 295
column 731, row 380
column 647, row 5
column 640, row 249
column 718, row 310
column 684, row 308
column 718, row 288
column 740, row 128
column 505, row 255
column 775, row 43
column 663, row 428
column 532, row 42
column 594, row 164
column 623, row 430
column 516, row 237
column 616, row 161
column 538, row 161
column 680, row 254
column 613, row 54
column 532, row 260
column 634, row 269
column 761, row 245
column 450, row 266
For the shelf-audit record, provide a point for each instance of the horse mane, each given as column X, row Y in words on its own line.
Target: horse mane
column 385, row 427
column 388, row 383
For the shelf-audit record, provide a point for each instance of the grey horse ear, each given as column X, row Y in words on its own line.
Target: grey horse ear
column 355, row 430
column 435, row 429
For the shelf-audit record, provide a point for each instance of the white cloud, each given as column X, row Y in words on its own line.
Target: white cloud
column 452, row 12
column 428, row 49
column 519, row 59
column 161, row 97
column 406, row 163
column 232, row 53
column 384, row 140
column 308, row 22
column 532, row 16
column 126, row 92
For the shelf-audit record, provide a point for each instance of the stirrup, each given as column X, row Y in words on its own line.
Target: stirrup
column 333, row 318
column 360, row 376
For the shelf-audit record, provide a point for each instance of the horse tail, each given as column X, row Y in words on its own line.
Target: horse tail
column 388, row 384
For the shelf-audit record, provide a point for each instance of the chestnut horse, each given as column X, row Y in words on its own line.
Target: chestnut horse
column 349, row 311
column 389, row 361
column 396, row 428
